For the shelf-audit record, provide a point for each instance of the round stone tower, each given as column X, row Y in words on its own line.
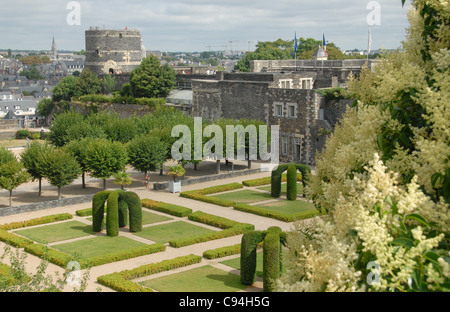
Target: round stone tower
column 113, row 51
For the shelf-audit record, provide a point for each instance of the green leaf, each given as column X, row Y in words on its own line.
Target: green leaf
column 402, row 241
column 418, row 218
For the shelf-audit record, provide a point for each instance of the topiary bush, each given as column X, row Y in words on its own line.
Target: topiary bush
column 291, row 187
column 112, row 217
column 249, row 243
column 98, row 210
column 271, row 258
column 117, row 217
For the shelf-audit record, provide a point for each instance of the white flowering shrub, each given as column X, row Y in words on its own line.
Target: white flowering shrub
column 384, row 176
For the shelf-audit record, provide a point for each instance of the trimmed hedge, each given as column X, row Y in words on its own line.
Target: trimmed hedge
column 274, row 214
column 291, row 187
column 14, row 240
column 230, row 227
column 249, row 245
column 121, row 281
column 277, row 174
column 201, row 194
column 61, row 258
column 174, row 210
column 112, row 217
column 113, row 197
column 36, row 221
column 222, row 252
column 271, row 258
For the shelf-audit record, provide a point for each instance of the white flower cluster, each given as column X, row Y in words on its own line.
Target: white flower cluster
column 367, row 200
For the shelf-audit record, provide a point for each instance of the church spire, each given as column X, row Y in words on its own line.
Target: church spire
column 54, row 50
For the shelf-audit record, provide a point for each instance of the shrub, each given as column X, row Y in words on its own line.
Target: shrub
column 249, row 245
column 171, row 209
column 98, row 210
column 291, row 187
column 222, row 252
column 22, row 134
column 36, row 221
column 14, row 240
column 271, row 258
column 112, row 217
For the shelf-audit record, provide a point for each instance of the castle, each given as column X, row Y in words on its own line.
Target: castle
column 281, row 93
column 113, row 51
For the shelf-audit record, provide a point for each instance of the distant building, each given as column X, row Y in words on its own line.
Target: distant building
column 113, row 51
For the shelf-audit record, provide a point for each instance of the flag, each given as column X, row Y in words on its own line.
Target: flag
column 295, row 43
column 324, row 44
column 369, row 43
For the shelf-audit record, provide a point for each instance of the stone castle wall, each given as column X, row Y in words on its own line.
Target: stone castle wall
column 117, row 50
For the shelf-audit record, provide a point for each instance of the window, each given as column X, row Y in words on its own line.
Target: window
column 279, row 110
column 285, row 83
column 306, row 83
column 298, row 148
column 285, row 145
column 291, row 111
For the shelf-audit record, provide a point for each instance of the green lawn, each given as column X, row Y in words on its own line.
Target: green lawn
column 147, row 217
column 97, row 246
column 236, row 263
column 244, row 196
column 268, row 188
column 57, row 232
column 165, row 232
column 202, row 279
column 289, row 206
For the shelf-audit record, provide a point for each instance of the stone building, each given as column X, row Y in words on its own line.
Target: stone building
column 278, row 97
column 113, row 51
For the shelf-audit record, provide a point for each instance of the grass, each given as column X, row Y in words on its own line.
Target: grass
column 97, row 246
column 236, row 263
column 268, row 188
column 57, row 232
column 244, row 196
column 202, row 279
column 289, row 206
column 165, row 232
column 147, row 218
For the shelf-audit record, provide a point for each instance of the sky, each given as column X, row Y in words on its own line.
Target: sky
column 203, row 25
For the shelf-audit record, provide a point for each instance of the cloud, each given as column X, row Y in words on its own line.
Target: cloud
column 192, row 25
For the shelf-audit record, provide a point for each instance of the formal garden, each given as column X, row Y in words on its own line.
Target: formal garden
column 119, row 226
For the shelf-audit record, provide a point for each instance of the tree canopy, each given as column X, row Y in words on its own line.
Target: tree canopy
column 152, row 80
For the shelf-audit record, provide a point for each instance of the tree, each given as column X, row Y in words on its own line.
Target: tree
column 78, row 149
column 33, row 159
column 65, row 89
column 12, row 173
column 45, row 107
column 88, row 83
column 60, row 129
column 122, row 178
column 32, row 74
column 105, row 158
column 150, row 79
column 108, row 84
column 147, row 153
column 384, row 176
column 61, row 169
